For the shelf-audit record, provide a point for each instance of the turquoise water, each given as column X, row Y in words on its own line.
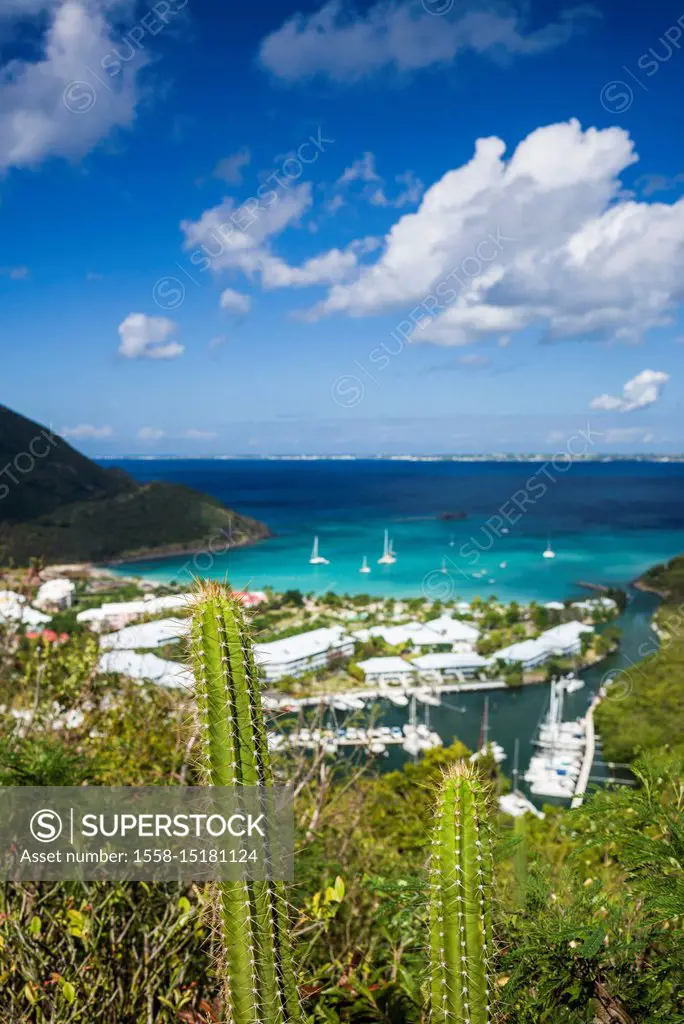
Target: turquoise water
column 607, row 523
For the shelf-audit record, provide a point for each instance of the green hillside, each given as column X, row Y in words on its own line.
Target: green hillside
column 58, row 504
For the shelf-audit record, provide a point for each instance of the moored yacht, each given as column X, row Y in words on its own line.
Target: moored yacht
column 317, row 559
column 388, row 556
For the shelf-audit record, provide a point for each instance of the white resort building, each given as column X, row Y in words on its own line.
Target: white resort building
column 527, row 653
column 565, row 639
column 560, row 641
column 146, row 635
column 389, row 671
column 171, row 674
column 449, row 665
column 16, row 609
column 303, row 652
column 117, row 614
column 55, row 595
column 443, row 630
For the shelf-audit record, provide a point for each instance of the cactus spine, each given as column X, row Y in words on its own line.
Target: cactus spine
column 460, row 901
column 260, row 983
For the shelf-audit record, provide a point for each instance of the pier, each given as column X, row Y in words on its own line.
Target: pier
column 589, row 752
column 366, row 694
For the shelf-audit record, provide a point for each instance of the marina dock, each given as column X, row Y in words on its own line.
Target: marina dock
column 588, row 758
column 366, row 694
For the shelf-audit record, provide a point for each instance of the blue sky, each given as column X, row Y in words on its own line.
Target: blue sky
column 380, row 227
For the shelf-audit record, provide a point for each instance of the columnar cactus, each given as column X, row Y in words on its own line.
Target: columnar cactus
column 460, row 901
column 260, row 983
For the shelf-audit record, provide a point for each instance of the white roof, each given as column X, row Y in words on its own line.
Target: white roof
column 419, row 633
column 564, row 634
column 54, row 589
column 448, row 660
column 556, row 606
column 453, row 630
column 301, row 645
column 526, row 650
column 147, row 606
column 392, row 665
column 146, row 666
column 594, row 602
column 146, row 634
column 13, row 608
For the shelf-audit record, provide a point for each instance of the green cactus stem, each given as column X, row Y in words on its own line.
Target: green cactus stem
column 260, row 984
column 460, row 901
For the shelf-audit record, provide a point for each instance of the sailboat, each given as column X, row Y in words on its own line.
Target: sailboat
column 549, row 553
column 388, row 557
column 317, row 559
column 485, row 744
column 444, row 567
column 452, row 542
column 515, row 803
column 364, row 565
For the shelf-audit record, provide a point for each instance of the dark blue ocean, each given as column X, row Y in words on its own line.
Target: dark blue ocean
column 606, row 523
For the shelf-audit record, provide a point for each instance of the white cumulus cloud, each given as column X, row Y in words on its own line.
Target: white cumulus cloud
column 402, row 35
column 235, row 302
column 53, row 105
column 543, row 238
column 148, row 337
column 227, row 237
column 87, row 432
column 200, row 435
column 642, row 390
column 150, row 434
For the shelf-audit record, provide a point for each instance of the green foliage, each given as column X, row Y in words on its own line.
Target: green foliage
column 599, row 938
column 43, row 761
column 666, row 579
column 644, row 706
column 259, row 982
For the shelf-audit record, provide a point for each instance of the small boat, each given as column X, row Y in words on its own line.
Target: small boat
column 515, row 803
column 572, row 684
column 400, row 700
column 503, row 565
column 317, row 559
column 549, row 552
column 354, row 703
column 388, row 557
column 428, row 697
column 504, row 529
column 377, row 747
column 364, row 565
column 495, row 749
column 452, row 542
column 444, row 567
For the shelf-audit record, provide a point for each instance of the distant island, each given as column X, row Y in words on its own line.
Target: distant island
column 523, row 457
column 59, row 505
